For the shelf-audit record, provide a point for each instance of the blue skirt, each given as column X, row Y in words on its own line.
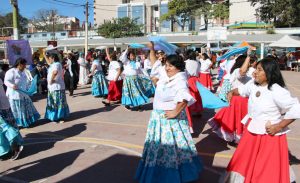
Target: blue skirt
column 148, row 86
column 24, row 112
column 169, row 152
column 9, row 136
column 57, row 107
column 8, row 117
column 133, row 92
column 225, row 89
column 99, row 85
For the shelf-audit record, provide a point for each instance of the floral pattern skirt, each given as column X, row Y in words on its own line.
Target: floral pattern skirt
column 24, row 111
column 99, row 85
column 9, row 136
column 169, row 152
column 133, row 91
column 8, row 117
column 225, row 89
column 57, row 107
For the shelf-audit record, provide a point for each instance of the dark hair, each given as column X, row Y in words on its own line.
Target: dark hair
column 130, row 52
column 190, row 54
column 176, row 61
column 113, row 56
column 238, row 62
column 54, row 56
column 95, row 56
column 272, row 71
column 205, row 56
column 19, row 61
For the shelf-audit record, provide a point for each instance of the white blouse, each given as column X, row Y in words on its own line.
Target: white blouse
column 147, row 64
column 192, row 67
column 226, row 66
column 114, row 66
column 236, row 79
column 4, row 103
column 58, row 83
column 155, row 69
column 96, row 63
column 170, row 91
column 15, row 77
column 131, row 68
column 205, row 66
column 268, row 105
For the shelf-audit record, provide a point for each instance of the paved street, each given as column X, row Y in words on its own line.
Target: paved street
column 98, row 144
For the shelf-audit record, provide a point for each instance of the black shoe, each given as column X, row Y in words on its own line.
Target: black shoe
column 106, row 103
column 140, row 109
column 127, row 107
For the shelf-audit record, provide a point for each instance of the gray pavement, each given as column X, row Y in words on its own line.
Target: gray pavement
column 98, row 144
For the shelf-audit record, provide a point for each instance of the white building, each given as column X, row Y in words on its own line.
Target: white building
column 242, row 11
column 147, row 12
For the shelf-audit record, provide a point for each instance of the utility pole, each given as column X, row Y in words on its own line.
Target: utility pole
column 86, row 27
column 14, row 4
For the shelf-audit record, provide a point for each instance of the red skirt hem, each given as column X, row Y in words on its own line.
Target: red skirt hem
column 261, row 158
column 205, row 80
column 115, row 90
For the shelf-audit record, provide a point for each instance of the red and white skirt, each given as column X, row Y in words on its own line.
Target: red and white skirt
column 227, row 122
column 205, row 80
column 115, row 90
column 260, row 159
column 197, row 106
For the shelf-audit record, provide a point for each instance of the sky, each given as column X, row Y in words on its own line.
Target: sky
column 28, row 8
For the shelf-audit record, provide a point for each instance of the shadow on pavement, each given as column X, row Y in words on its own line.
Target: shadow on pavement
column 85, row 113
column 199, row 122
column 209, row 146
column 118, row 168
column 35, row 140
column 43, row 168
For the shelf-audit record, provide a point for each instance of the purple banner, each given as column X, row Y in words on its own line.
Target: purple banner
column 17, row 49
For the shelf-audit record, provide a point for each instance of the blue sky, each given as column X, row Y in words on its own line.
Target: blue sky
column 28, row 8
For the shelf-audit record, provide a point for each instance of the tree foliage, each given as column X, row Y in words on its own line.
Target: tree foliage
column 120, row 27
column 44, row 20
column 7, row 21
column 282, row 13
column 180, row 11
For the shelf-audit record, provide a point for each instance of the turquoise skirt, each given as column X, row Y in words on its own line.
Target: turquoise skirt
column 133, row 91
column 99, row 85
column 57, row 107
column 225, row 89
column 9, row 136
column 8, row 117
column 24, row 112
column 169, row 152
column 148, row 86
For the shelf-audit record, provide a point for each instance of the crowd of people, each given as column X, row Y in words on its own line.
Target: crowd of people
column 256, row 120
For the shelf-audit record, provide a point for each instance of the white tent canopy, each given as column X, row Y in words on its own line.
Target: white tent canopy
column 287, row 42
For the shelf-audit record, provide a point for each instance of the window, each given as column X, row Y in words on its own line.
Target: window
column 165, row 25
column 52, row 34
column 138, row 13
column 44, row 35
column 63, row 34
column 28, row 36
column 122, row 11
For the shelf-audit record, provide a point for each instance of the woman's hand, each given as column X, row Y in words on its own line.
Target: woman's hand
column 171, row 114
column 229, row 96
column 273, row 129
column 15, row 87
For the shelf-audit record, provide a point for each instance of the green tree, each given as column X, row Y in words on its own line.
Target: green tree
column 206, row 11
column 7, row 21
column 282, row 13
column 181, row 11
column 120, row 27
column 220, row 11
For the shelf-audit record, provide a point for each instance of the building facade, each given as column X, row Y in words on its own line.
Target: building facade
column 146, row 12
column 242, row 11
